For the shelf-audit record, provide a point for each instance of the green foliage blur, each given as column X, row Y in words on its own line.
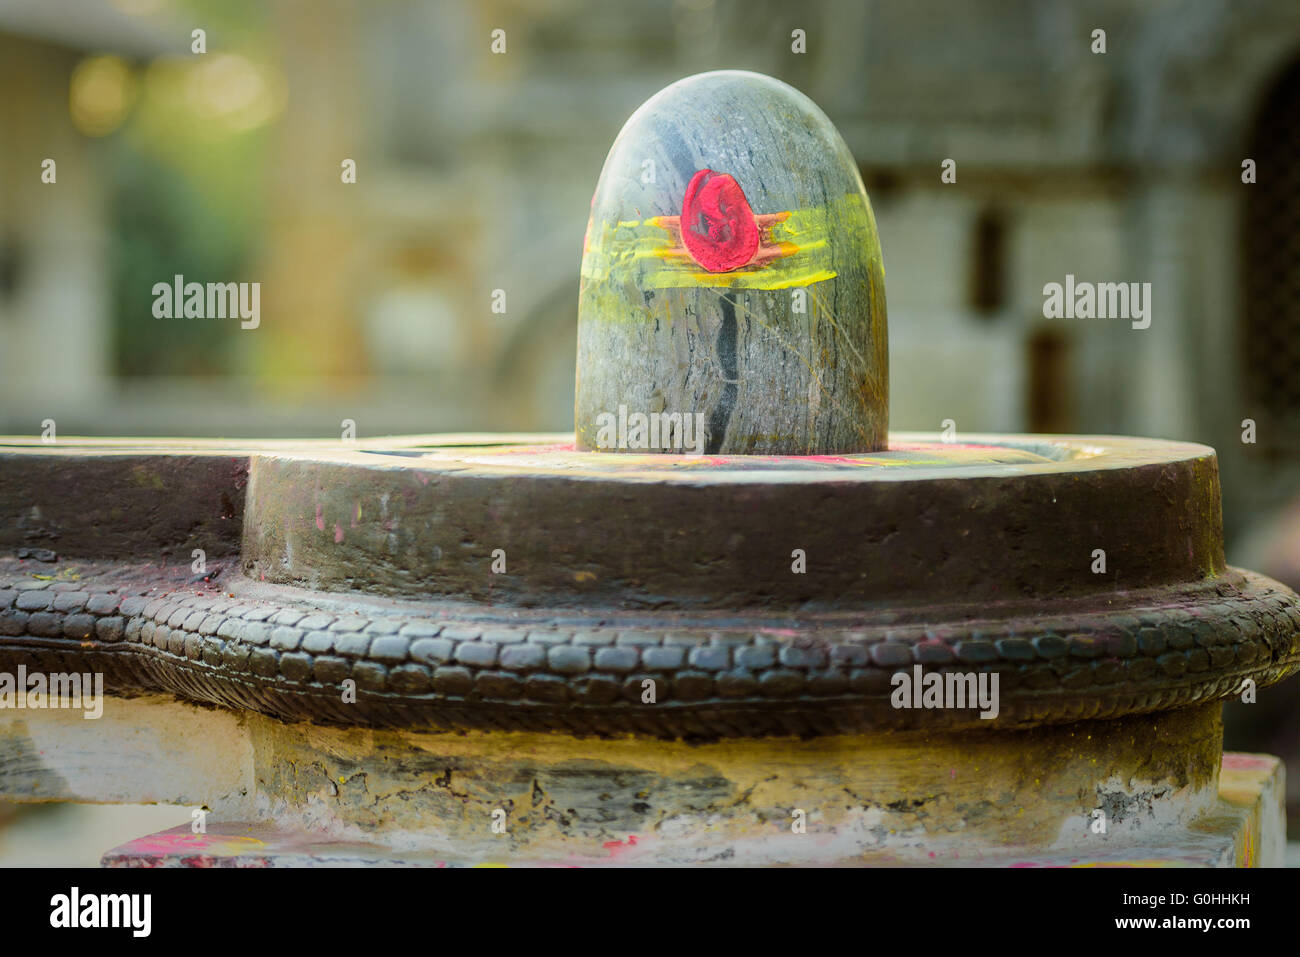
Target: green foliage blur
column 181, row 170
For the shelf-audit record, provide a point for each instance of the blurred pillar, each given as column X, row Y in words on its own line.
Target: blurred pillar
column 1164, row 401
column 54, row 319
column 309, row 312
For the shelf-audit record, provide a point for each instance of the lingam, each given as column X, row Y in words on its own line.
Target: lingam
column 816, row 642
column 742, row 277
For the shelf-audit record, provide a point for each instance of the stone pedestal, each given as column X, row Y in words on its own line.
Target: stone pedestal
column 465, row 651
column 292, row 794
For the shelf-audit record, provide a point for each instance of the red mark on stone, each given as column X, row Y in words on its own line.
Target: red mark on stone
column 718, row 227
column 1236, row 761
column 829, row 459
column 320, row 519
column 617, row 847
column 535, row 449
column 338, row 533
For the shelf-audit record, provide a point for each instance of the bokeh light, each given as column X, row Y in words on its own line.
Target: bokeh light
column 230, row 89
column 100, row 94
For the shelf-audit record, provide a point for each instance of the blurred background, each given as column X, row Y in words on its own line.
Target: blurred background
column 474, row 172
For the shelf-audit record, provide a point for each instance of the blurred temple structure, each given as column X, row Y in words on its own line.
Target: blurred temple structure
column 474, row 176
column 474, row 173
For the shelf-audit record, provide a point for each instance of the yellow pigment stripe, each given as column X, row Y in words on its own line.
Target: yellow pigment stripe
column 650, row 251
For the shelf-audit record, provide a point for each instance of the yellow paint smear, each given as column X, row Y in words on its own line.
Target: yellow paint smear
column 649, row 250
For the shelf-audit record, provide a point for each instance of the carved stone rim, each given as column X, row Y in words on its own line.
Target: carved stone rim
column 287, row 653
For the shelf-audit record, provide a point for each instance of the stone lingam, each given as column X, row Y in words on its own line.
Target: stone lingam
column 812, row 642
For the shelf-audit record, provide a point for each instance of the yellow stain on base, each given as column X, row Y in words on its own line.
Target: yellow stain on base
column 955, row 791
column 1243, row 783
column 1136, row 862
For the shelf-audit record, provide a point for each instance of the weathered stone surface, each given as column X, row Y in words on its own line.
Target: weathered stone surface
column 687, row 582
column 34, row 600
column 295, row 791
column 732, row 276
column 122, row 504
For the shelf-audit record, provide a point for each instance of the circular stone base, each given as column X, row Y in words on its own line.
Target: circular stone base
column 552, row 799
column 516, row 585
column 839, row 799
column 996, row 519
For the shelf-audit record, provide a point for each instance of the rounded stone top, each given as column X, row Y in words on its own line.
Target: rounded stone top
column 732, row 295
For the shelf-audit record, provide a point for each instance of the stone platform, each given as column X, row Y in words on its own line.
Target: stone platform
column 436, row 650
column 286, row 795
